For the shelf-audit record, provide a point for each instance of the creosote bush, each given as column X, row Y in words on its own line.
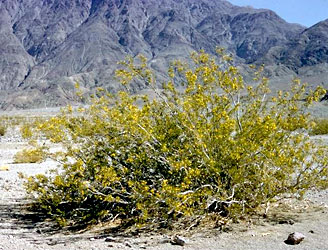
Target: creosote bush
column 26, row 130
column 215, row 139
column 12, row 121
column 32, row 155
column 320, row 127
column 3, row 130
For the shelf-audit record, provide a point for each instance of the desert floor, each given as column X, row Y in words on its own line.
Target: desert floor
column 20, row 229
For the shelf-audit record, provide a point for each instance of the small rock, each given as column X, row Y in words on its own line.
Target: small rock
column 178, row 240
column 311, row 231
column 127, row 244
column 111, row 239
column 165, row 240
column 52, row 242
column 294, row 238
column 290, row 222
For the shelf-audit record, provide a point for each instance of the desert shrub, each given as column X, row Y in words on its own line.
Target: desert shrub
column 216, row 145
column 24, row 122
column 320, row 127
column 28, row 126
column 3, row 130
column 32, row 155
column 26, row 130
column 12, row 120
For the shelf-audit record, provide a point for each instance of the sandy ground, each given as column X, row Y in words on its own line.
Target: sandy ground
column 22, row 230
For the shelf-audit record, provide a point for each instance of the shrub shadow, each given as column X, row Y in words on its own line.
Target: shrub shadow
column 17, row 219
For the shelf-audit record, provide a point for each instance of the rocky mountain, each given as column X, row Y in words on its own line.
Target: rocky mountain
column 48, row 45
column 309, row 48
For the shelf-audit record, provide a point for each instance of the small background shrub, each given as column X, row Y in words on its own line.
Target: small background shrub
column 320, row 127
column 8, row 121
column 2, row 130
column 26, row 130
column 34, row 155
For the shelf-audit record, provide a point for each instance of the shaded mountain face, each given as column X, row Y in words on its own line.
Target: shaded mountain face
column 48, row 45
column 309, row 48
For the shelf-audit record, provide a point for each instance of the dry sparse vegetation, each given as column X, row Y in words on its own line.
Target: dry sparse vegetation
column 320, row 127
column 2, row 130
column 33, row 155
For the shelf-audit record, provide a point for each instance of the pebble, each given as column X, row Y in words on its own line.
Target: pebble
column 111, row 239
column 290, row 222
column 294, row 238
column 165, row 240
column 127, row 244
column 178, row 240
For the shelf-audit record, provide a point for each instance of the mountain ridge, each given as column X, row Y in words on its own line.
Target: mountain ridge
column 46, row 46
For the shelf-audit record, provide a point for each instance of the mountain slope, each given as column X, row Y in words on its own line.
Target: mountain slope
column 54, row 43
column 309, row 48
